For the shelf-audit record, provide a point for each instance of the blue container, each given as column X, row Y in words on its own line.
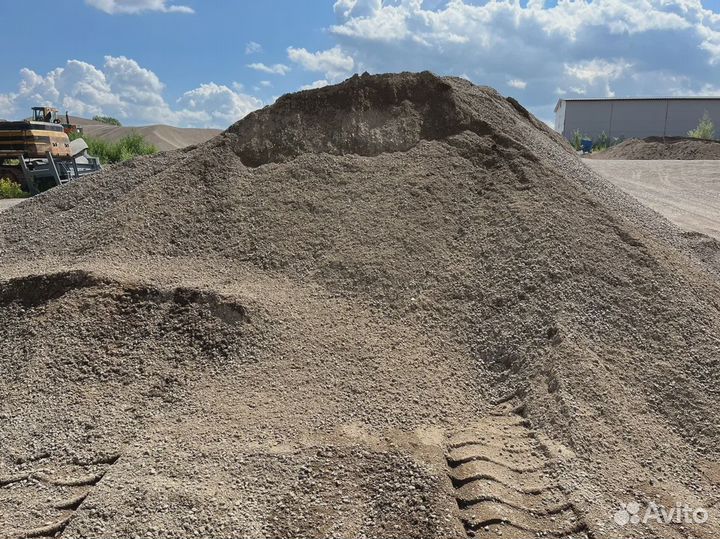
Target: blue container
column 586, row 145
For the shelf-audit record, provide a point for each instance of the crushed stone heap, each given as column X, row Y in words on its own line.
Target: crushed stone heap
column 399, row 306
column 651, row 148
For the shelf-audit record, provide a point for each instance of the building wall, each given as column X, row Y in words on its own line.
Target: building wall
column 634, row 118
column 588, row 117
column 560, row 116
column 685, row 115
column 637, row 119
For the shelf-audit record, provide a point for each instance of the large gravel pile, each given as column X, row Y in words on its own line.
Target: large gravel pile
column 305, row 328
column 662, row 148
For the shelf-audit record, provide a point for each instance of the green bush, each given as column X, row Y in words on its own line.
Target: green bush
column 126, row 148
column 602, row 142
column 107, row 120
column 576, row 140
column 10, row 189
column 705, row 129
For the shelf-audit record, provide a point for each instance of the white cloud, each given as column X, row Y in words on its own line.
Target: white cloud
column 266, row 83
column 705, row 89
column 334, row 63
column 313, row 85
column 276, row 69
column 78, row 86
column 123, row 89
column 215, row 105
column 251, row 47
column 596, row 75
column 591, row 70
column 377, row 23
column 131, row 7
column 517, row 83
column 133, row 84
column 356, row 8
column 7, row 107
column 711, row 40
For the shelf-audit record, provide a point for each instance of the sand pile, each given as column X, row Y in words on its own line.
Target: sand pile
column 396, row 307
column 662, row 148
column 163, row 137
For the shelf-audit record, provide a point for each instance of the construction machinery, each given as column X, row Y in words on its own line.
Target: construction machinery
column 37, row 153
column 50, row 115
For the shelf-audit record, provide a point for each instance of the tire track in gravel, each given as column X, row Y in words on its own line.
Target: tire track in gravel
column 503, row 480
column 60, row 495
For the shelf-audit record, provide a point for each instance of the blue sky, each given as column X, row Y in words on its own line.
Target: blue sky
column 206, row 63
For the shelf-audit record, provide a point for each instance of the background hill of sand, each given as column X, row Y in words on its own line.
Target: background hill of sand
column 163, row 137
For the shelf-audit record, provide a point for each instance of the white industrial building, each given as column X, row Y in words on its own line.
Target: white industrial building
column 633, row 117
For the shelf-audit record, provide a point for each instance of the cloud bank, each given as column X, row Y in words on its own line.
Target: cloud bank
column 533, row 49
column 537, row 50
column 124, row 89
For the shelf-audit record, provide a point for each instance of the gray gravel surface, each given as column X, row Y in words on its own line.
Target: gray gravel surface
column 686, row 192
column 276, row 332
column 9, row 203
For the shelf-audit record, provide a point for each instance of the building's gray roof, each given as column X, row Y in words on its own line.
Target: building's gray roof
column 655, row 98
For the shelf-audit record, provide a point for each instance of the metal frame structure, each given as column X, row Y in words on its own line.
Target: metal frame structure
column 62, row 171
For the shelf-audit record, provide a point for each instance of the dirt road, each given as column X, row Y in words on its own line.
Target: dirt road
column 686, row 192
column 9, row 203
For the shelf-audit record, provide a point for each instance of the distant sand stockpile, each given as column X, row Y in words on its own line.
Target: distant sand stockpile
column 163, row 137
column 652, row 148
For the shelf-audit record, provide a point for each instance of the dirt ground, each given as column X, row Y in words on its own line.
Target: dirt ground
column 395, row 307
column 9, row 203
column 686, row 192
